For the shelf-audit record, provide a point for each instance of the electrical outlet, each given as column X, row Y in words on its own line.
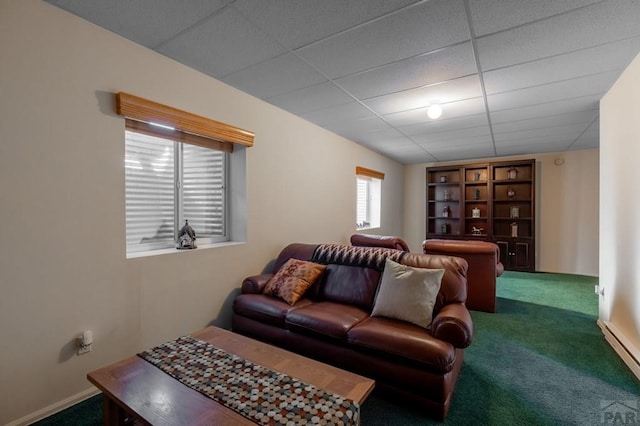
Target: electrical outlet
column 84, row 342
column 83, row 349
column 599, row 290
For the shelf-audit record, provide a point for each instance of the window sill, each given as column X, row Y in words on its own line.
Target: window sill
column 161, row 252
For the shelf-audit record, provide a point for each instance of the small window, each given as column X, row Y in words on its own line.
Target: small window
column 177, row 169
column 368, row 198
column 168, row 183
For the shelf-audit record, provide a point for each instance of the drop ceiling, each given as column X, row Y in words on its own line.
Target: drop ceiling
column 512, row 77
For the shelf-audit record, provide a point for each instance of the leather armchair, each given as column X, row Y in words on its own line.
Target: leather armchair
column 368, row 240
column 483, row 258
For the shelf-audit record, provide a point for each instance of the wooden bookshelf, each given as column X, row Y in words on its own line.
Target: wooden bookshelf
column 486, row 201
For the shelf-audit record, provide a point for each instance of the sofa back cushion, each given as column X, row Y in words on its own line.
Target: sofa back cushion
column 352, row 285
column 345, row 282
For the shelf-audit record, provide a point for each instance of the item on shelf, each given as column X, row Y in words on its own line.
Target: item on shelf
column 476, row 231
column 476, row 194
column 511, row 193
column 512, row 173
column 445, row 211
column 475, row 212
column 476, row 176
column 447, row 195
column 514, row 229
column 443, row 179
column 514, row 212
column 444, row 228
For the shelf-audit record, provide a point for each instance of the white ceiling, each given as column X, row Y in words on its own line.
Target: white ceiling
column 512, row 76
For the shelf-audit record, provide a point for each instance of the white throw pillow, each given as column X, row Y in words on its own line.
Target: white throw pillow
column 407, row 293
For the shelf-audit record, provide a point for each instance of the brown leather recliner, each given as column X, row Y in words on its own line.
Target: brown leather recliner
column 368, row 240
column 483, row 258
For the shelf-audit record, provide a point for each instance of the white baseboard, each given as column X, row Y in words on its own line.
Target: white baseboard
column 623, row 347
column 55, row 408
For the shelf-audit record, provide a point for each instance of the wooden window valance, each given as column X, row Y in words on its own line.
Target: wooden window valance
column 194, row 129
column 363, row 171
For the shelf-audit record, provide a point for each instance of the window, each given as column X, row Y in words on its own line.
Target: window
column 177, row 168
column 168, row 183
column 368, row 198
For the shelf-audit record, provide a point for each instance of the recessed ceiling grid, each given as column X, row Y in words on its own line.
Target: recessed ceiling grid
column 514, row 77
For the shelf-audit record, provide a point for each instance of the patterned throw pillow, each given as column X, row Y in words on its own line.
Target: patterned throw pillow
column 293, row 279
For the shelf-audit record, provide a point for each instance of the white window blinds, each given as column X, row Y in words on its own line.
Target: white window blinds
column 167, row 183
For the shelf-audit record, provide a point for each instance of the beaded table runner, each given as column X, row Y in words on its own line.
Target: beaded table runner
column 258, row 393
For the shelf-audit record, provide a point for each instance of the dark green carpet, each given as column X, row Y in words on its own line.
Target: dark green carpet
column 540, row 360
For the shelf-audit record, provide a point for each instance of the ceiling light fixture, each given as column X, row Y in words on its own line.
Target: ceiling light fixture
column 434, row 111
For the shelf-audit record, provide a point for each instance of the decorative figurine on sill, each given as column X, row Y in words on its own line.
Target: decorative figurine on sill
column 186, row 237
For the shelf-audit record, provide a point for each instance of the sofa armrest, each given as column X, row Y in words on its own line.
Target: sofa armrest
column 255, row 284
column 453, row 324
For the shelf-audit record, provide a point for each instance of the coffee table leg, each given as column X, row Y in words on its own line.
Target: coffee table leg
column 112, row 413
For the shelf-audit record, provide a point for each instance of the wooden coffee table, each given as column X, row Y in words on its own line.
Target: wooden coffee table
column 136, row 391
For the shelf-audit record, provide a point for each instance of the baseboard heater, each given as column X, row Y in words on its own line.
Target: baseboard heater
column 623, row 347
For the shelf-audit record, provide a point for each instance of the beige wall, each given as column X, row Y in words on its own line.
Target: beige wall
column 566, row 210
column 62, row 257
column 619, row 204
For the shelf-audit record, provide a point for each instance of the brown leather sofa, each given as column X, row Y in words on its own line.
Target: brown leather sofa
column 333, row 323
column 483, row 258
column 369, row 240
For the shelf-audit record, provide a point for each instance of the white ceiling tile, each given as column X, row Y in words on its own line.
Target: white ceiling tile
column 464, row 153
column 221, row 45
column 571, row 131
column 583, row 103
column 338, row 115
column 591, row 26
column 536, row 142
column 490, row 16
column 391, row 144
column 443, row 125
column 435, row 67
column 275, row 76
column 454, row 135
column 411, row 154
column 451, row 110
column 364, row 129
column 450, row 91
column 381, row 135
column 461, row 142
column 306, row 21
column 147, row 22
column 580, row 117
column 596, row 84
column 311, row 98
column 533, row 147
column 415, row 30
column 611, row 57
